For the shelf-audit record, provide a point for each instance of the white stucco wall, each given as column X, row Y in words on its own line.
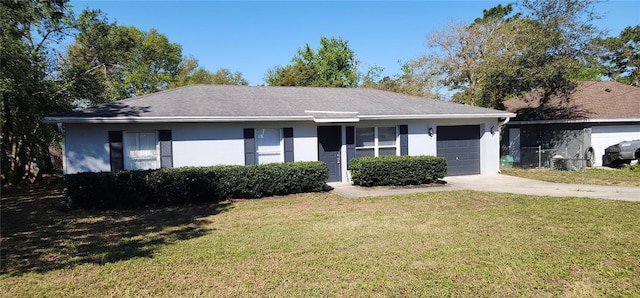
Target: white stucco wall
column 86, row 149
column 204, row 144
column 489, row 148
column 420, row 143
column 196, row 144
column 305, row 143
column 86, row 146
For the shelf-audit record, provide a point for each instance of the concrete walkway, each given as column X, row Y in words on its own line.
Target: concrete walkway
column 500, row 183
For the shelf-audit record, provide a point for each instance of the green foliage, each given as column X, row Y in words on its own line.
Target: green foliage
column 633, row 167
column 128, row 189
column 416, row 79
column 529, row 63
column 28, row 91
column 622, row 56
column 543, row 48
column 109, row 62
column 189, row 73
column 332, row 65
column 397, row 170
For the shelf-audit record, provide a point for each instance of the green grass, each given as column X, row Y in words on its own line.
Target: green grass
column 594, row 176
column 460, row 243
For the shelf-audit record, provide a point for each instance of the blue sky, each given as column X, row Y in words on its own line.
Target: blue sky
column 252, row 37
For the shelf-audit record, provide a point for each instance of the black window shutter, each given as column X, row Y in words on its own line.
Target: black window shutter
column 166, row 148
column 288, row 144
column 249, row 146
column 351, row 144
column 116, row 151
column 404, row 139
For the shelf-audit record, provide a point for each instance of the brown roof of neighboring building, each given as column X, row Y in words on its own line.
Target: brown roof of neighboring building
column 591, row 100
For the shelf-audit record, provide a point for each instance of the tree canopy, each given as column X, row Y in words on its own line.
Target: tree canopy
column 332, row 65
column 106, row 62
column 621, row 58
column 27, row 91
column 109, row 62
column 189, row 73
column 504, row 54
column 417, row 79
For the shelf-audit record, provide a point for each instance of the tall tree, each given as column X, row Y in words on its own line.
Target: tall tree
column 108, row 62
column 332, row 65
column 27, row 91
column 189, row 73
column 461, row 51
column 416, row 79
column 541, row 48
column 527, row 63
column 572, row 19
column 622, row 56
column 224, row 76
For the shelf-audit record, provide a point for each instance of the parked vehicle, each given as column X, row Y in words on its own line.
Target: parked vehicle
column 621, row 153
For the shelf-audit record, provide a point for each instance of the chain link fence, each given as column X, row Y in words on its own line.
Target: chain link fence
column 568, row 158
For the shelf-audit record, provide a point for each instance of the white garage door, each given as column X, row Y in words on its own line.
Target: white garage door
column 605, row 136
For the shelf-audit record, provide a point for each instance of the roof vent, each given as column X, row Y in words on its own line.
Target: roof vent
column 607, row 89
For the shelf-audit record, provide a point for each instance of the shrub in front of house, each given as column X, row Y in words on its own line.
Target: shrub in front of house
column 397, row 170
column 128, row 189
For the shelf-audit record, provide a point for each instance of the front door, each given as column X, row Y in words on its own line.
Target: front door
column 329, row 144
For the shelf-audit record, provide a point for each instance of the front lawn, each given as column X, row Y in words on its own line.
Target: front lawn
column 594, row 176
column 459, row 243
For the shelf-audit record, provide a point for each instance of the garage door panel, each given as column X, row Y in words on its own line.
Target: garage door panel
column 460, row 146
column 605, row 136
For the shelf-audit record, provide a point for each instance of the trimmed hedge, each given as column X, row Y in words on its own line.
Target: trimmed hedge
column 128, row 189
column 397, row 170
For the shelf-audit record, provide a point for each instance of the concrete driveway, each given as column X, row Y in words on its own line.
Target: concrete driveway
column 500, row 183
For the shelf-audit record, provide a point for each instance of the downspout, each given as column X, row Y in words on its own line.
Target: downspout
column 503, row 123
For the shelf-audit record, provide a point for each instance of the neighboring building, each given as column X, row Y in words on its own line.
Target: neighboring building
column 598, row 114
column 204, row 125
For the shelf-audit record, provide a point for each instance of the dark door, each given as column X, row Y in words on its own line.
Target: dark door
column 460, row 145
column 329, row 144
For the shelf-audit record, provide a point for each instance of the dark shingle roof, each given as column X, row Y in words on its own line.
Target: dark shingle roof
column 591, row 100
column 242, row 103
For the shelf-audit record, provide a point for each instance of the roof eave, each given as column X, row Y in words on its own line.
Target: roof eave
column 120, row 120
column 199, row 119
column 563, row 121
column 436, row 116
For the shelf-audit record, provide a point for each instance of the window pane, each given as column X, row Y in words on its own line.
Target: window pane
column 387, row 151
column 264, row 158
column 364, row 136
column 268, row 149
column 140, row 149
column 386, row 136
column 364, row 152
column 268, row 140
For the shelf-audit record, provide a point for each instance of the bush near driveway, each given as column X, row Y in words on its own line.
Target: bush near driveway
column 397, row 170
column 128, row 189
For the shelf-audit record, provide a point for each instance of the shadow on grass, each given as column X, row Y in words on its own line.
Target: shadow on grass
column 39, row 235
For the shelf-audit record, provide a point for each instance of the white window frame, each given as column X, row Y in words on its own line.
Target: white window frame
column 280, row 150
column 126, row 146
column 376, row 146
